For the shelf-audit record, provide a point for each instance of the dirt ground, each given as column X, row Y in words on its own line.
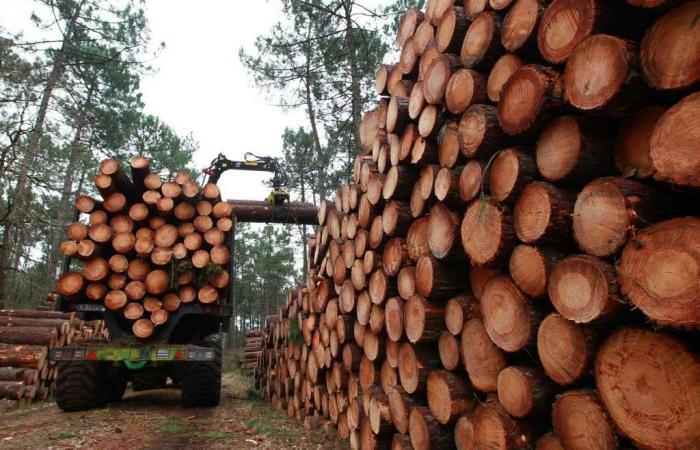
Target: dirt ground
column 155, row 420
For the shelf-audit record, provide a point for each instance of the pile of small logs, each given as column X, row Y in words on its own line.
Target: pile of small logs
column 26, row 336
column 149, row 246
column 252, row 351
column 516, row 263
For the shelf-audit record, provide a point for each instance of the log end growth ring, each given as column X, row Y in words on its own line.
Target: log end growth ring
column 650, row 385
column 564, row 24
column 660, row 272
column 670, row 50
column 601, row 221
column 578, row 289
column 595, row 71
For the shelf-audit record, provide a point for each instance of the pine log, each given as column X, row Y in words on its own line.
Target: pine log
column 380, row 414
column 157, row 282
column 448, row 151
column 451, row 29
column 393, row 318
column 296, row 212
column 512, row 169
column 480, row 135
column 437, row 77
column 543, row 213
column 427, row 433
column 406, row 282
column 464, row 433
column 449, row 396
column 70, row 284
column 530, row 98
column 101, row 233
column 615, row 87
column 524, row 391
column 458, row 310
column 566, row 23
column 423, row 35
column 583, row 288
column 565, row 349
column 501, row 71
column 430, row 124
column 480, row 356
column 443, row 233
column 395, row 256
column 381, row 287
column 530, row 268
column 120, row 179
column 446, row 188
column 633, row 143
column 25, row 356
column 580, row 421
column 34, row 314
column 609, row 209
column 95, row 291
column 427, row 180
column 397, row 115
column 12, row 373
column 369, row 440
column 659, row 412
column 423, row 321
column 396, row 218
column 408, row 24
column 494, row 428
column 472, row 180
column 400, row 405
column 673, row 151
column 448, row 348
column 464, row 88
column 415, row 364
column 487, row 233
column 482, row 46
column 519, row 30
column 43, row 336
column 86, row 204
column 399, row 182
column 509, row 317
column 473, row 8
column 143, row 328
column 658, row 272
column 669, row 49
column 437, row 280
column 417, row 239
column 115, row 203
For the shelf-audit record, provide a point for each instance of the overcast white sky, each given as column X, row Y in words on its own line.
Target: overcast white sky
column 200, row 86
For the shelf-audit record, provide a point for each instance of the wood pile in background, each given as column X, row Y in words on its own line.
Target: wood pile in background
column 26, row 336
column 252, row 351
column 515, row 264
column 149, row 246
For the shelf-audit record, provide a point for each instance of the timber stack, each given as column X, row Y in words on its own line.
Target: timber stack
column 26, row 336
column 149, row 246
column 516, row 262
column 252, row 351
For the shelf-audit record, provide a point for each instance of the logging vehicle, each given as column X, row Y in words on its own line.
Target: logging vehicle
column 163, row 323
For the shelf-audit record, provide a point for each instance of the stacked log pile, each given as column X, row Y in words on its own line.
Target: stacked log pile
column 252, row 352
column 26, row 336
column 516, row 262
column 149, row 246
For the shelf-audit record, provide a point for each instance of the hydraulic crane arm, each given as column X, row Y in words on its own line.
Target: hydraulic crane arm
column 255, row 163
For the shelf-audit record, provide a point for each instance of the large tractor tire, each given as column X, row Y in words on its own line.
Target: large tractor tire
column 115, row 383
column 80, row 385
column 201, row 381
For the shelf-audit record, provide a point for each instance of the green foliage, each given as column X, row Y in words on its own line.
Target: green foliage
column 263, row 274
column 66, row 103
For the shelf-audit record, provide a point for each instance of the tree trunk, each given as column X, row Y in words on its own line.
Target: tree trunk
column 427, row 433
column 565, row 349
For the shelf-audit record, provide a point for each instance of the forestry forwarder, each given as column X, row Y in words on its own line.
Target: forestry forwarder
column 187, row 349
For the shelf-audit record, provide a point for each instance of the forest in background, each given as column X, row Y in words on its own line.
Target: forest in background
column 70, row 96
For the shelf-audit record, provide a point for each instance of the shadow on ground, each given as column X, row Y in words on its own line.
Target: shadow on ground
column 155, row 420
